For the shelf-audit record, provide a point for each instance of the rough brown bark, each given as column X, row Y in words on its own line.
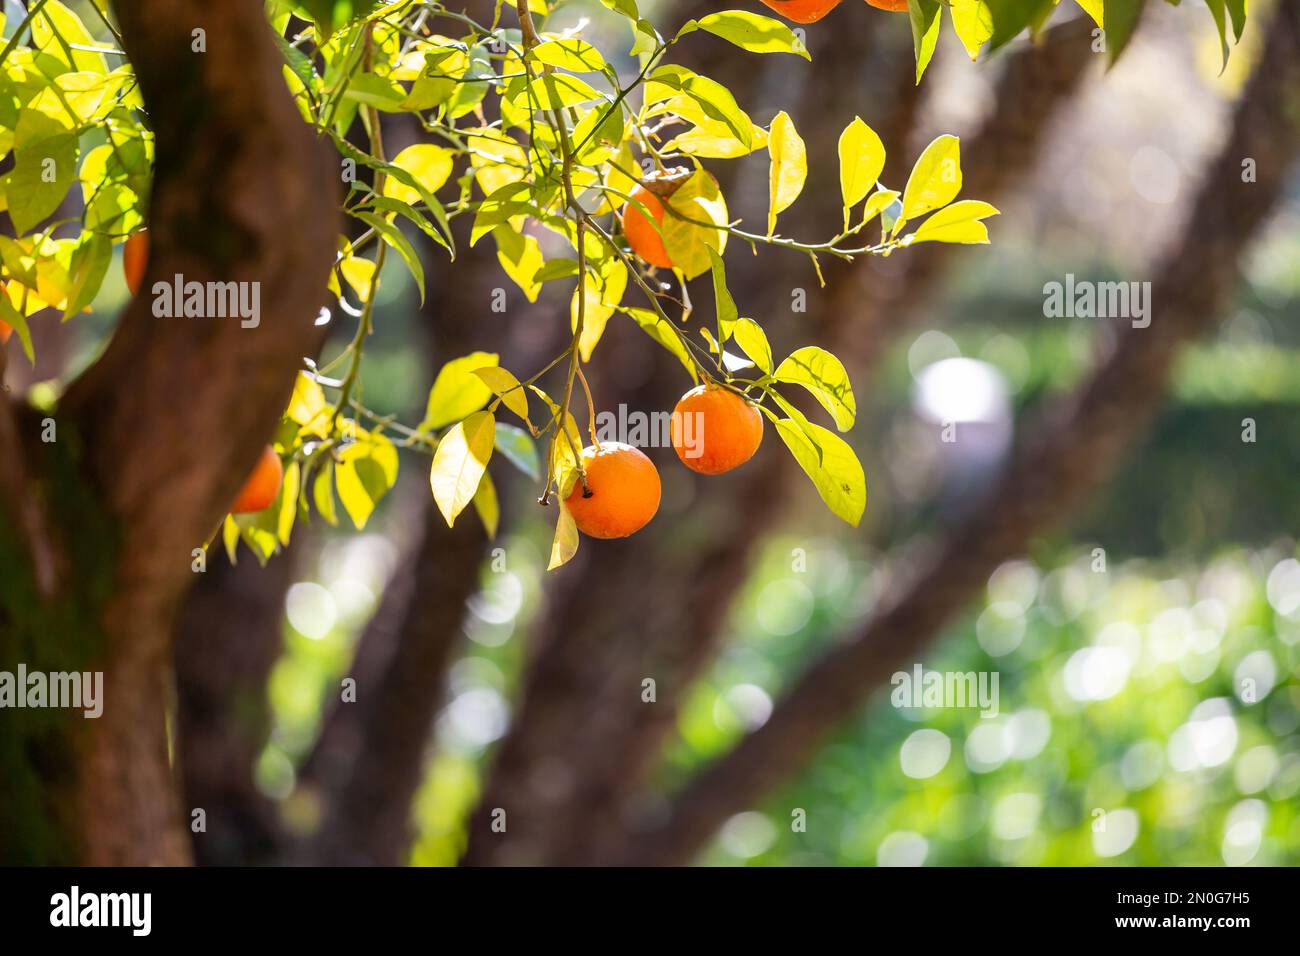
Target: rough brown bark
column 1073, row 446
column 155, row 438
column 567, row 780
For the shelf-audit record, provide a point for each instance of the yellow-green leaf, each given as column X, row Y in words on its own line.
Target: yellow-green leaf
column 569, row 53
column 862, row 157
column 829, row 461
column 880, row 200
column 429, row 164
column 487, row 506
column 750, row 31
column 520, row 256
column 1094, row 9
column 288, row 502
column 924, row 17
column 751, row 338
column 972, row 21
column 701, row 212
column 504, row 384
column 366, row 470
column 789, row 167
column 460, row 461
column 565, row 543
column 959, row 222
column 825, row 377
column 600, row 296
column 935, row 179
column 457, row 391
column 322, row 492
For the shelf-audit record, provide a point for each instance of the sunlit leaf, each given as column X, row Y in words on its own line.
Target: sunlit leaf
column 457, row 391
column 831, row 464
column 788, row 168
column 959, row 222
column 520, row 257
column 700, row 211
column 924, row 17
column 936, row 178
column 862, row 157
column 749, row 335
column 366, row 471
column 460, row 461
column 565, row 543
column 825, row 377
column 601, row 294
column 972, row 21
column 749, row 31
column 505, row 385
column 429, row 164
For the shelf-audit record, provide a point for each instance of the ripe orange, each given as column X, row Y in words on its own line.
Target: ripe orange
column 624, row 486
column 893, row 6
column 804, row 11
column 715, row 430
column 262, row 486
column 6, row 329
column 641, row 235
column 135, row 256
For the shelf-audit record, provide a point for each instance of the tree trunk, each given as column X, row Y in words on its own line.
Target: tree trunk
column 154, row 439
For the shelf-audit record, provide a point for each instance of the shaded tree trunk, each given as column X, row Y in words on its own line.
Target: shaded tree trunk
column 155, row 438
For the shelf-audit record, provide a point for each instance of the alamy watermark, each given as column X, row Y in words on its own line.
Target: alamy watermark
column 209, row 300
column 946, row 689
column 56, row 689
column 133, row 911
column 652, row 429
column 1084, row 299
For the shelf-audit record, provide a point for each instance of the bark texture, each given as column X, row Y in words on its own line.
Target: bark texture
column 1070, row 450
column 155, row 438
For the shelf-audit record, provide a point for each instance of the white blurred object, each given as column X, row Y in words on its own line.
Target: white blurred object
column 966, row 405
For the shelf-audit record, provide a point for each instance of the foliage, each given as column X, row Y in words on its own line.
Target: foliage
column 532, row 141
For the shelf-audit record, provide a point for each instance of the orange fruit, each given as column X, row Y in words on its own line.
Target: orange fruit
column 805, row 11
column 6, row 329
column 624, row 491
column 262, row 486
column 641, row 234
column 893, row 6
column 715, row 430
column 135, row 256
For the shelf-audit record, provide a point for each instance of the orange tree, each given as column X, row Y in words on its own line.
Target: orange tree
column 214, row 132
